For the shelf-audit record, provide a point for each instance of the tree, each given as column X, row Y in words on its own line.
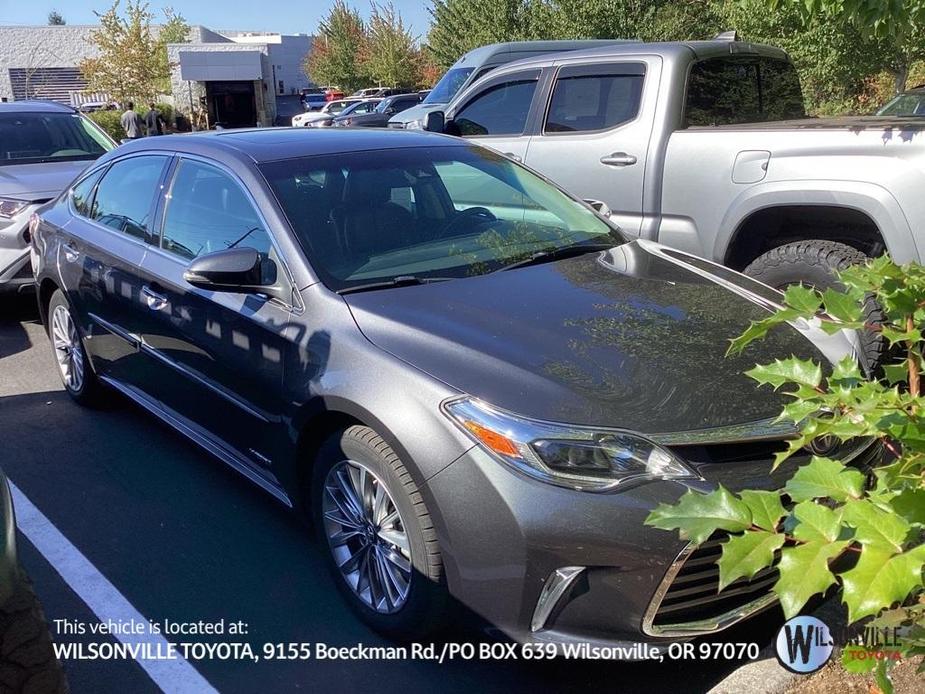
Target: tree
column 390, row 55
column 55, row 19
column 336, row 50
column 458, row 26
column 129, row 64
column 174, row 30
column 897, row 26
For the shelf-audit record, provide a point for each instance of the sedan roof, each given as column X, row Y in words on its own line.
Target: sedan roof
column 35, row 106
column 272, row 144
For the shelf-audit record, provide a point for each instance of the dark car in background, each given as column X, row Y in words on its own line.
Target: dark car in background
column 313, row 98
column 379, row 117
column 473, row 382
column 356, row 108
column 43, row 146
column 909, row 103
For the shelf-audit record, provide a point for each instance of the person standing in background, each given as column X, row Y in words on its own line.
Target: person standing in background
column 153, row 121
column 132, row 123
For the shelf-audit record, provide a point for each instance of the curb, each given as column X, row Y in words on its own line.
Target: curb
column 766, row 675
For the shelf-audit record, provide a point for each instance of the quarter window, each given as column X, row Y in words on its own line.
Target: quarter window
column 501, row 109
column 208, row 211
column 596, row 101
column 82, row 194
column 731, row 91
column 125, row 195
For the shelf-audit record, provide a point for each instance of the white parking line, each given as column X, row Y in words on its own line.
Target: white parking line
column 102, row 597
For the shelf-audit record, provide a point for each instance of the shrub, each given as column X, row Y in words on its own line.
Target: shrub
column 828, row 509
column 109, row 121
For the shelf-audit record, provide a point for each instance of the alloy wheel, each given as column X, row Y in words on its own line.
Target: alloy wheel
column 68, row 350
column 367, row 536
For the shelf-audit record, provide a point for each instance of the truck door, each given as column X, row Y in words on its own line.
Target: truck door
column 593, row 137
column 496, row 115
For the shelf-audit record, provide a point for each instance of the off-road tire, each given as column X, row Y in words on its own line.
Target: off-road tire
column 27, row 660
column 815, row 263
column 428, row 601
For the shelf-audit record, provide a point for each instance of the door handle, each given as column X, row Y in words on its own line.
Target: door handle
column 154, row 300
column 511, row 155
column 71, row 254
column 618, row 159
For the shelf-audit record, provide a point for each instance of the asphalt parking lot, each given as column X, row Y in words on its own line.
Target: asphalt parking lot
column 183, row 538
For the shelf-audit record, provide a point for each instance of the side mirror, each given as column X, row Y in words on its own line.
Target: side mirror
column 600, row 207
column 240, row 270
column 435, row 122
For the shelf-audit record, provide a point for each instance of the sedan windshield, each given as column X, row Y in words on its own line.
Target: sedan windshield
column 31, row 138
column 426, row 214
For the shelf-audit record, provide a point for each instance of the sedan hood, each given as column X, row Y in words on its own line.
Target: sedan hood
column 415, row 113
column 633, row 338
column 36, row 182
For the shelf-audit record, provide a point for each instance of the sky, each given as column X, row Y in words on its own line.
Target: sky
column 284, row 16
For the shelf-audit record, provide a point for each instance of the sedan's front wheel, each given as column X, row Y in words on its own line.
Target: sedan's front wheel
column 378, row 535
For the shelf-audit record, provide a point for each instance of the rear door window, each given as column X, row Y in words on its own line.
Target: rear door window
column 742, row 89
column 594, row 97
column 499, row 109
column 125, row 195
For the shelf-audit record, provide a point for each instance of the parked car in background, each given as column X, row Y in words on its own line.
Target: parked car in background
column 313, row 98
column 380, row 92
column 477, row 63
column 452, row 363
column 91, row 106
column 705, row 146
column 333, row 95
column 328, row 111
column 909, row 103
column 358, row 107
column 27, row 660
column 379, row 117
column 43, row 146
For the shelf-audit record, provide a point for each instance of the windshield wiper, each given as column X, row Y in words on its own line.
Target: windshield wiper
column 400, row 281
column 541, row 257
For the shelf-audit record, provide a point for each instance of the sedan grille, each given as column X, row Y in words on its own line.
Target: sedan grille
column 689, row 601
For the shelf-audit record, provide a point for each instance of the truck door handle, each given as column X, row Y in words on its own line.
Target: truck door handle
column 511, row 155
column 155, row 301
column 71, row 254
column 618, row 159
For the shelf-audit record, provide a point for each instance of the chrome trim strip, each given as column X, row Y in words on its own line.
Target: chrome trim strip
column 209, row 444
column 554, row 588
column 759, row 430
column 703, row 626
column 133, row 340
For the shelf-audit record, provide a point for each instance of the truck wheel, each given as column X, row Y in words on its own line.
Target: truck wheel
column 815, row 263
column 27, row 660
column 378, row 535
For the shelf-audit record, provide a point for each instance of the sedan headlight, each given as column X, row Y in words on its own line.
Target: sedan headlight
column 9, row 207
column 585, row 458
column 417, row 124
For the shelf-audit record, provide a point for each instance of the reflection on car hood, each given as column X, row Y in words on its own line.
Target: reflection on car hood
column 38, row 181
column 634, row 337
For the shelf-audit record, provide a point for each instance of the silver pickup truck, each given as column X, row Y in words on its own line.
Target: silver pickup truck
column 705, row 146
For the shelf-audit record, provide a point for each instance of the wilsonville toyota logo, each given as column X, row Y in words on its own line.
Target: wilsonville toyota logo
column 804, row 644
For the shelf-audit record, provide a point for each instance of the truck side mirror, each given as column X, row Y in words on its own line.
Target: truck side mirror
column 435, row 122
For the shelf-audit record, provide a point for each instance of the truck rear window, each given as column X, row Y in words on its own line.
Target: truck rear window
column 739, row 89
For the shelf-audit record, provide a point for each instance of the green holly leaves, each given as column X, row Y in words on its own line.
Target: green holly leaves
column 829, row 509
column 697, row 516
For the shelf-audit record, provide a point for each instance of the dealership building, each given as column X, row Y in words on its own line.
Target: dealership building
column 233, row 77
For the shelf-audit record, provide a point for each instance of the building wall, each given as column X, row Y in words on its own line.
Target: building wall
column 287, row 54
column 190, row 92
column 33, row 47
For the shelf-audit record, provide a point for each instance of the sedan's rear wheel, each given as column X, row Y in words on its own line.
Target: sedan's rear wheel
column 378, row 535
column 77, row 375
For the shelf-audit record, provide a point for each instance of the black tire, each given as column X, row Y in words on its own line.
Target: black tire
column 27, row 660
column 815, row 263
column 427, row 604
column 91, row 392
